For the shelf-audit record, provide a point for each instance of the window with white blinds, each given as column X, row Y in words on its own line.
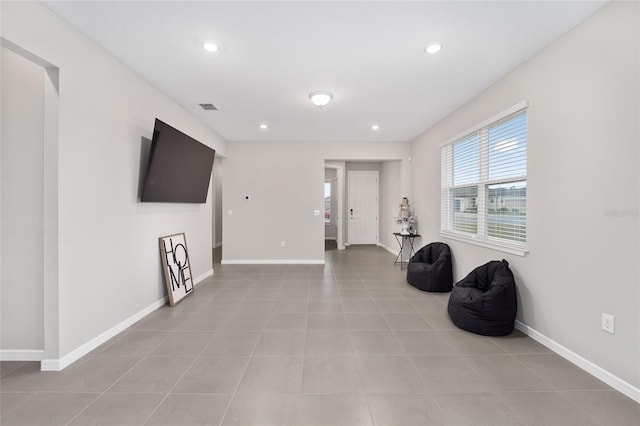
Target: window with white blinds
column 484, row 182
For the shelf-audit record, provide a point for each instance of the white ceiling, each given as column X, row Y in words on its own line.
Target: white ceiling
column 370, row 55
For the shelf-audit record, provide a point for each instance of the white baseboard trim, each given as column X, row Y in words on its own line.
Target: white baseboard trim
column 76, row 354
column 79, row 352
column 273, row 262
column 389, row 249
column 599, row 372
column 202, row 277
column 21, row 355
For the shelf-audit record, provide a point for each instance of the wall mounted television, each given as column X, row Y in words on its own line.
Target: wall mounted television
column 179, row 167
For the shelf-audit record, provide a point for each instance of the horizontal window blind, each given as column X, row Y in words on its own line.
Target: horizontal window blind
column 483, row 181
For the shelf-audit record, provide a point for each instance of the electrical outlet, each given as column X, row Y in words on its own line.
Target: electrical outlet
column 283, row 243
column 608, row 323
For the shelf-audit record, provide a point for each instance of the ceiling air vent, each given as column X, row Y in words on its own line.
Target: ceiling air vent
column 208, row 107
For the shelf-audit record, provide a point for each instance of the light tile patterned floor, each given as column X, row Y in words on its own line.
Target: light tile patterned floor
column 347, row 343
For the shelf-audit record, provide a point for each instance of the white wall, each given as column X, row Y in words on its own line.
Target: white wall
column 390, row 196
column 285, row 183
column 109, row 267
column 22, row 294
column 331, row 228
column 583, row 132
column 217, row 204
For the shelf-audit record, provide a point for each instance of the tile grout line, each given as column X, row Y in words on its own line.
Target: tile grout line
column 244, row 371
column 101, row 394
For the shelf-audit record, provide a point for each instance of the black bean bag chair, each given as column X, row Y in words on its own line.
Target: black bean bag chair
column 430, row 268
column 484, row 302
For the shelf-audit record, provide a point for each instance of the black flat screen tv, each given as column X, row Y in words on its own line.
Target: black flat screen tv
column 179, row 167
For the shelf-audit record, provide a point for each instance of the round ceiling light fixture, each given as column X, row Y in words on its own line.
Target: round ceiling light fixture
column 210, row 47
column 433, row 48
column 264, row 126
column 320, row 98
column 375, row 127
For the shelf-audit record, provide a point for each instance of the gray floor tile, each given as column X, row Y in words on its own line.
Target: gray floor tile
column 330, row 375
column 7, row 367
column 208, row 322
column 328, row 343
column 245, row 322
column 394, row 306
column 519, row 343
column 280, row 343
column 262, row 410
column 10, row 400
column 607, row 406
column 190, row 410
column 344, row 284
column 546, row 408
column 386, row 293
column 217, row 355
column 560, row 373
column 29, row 378
column 376, row 343
column 335, row 410
column 212, row 374
column 291, row 306
column 182, row 343
column 450, row 374
column 119, row 409
column 326, row 321
column 153, row 375
column 425, row 304
column 324, row 293
column 255, row 306
column 406, row 321
column 371, row 321
column 135, row 343
column 349, row 293
column 467, row 343
column 505, row 373
column 438, row 319
column 232, row 343
column 278, row 374
column 163, row 320
column 47, row 409
column 325, row 305
column 427, row 342
column 96, row 374
column 406, row 410
column 479, row 409
column 286, row 322
column 359, row 305
column 389, row 375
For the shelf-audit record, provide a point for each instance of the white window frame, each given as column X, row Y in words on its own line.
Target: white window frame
column 479, row 239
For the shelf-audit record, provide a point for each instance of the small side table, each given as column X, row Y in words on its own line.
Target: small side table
column 401, row 238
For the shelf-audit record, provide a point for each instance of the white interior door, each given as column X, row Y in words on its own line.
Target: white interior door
column 362, row 209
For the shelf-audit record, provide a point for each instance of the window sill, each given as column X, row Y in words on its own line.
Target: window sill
column 518, row 250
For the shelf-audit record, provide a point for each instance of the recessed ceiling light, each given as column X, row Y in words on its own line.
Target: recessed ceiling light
column 375, row 127
column 211, row 47
column 433, row 48
column 263, row 126
column 320, row 98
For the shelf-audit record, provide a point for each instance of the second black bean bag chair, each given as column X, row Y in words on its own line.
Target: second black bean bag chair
column 484, row 302
column 430, row 268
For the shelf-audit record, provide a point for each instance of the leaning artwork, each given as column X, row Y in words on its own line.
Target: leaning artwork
column 176, row 267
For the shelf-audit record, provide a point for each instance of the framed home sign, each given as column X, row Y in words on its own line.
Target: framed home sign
column 176, row 267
